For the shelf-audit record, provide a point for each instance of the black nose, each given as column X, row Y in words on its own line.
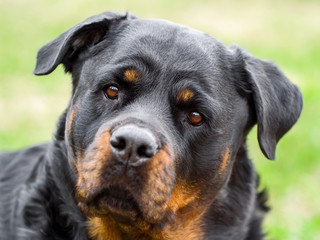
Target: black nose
column 133, row 144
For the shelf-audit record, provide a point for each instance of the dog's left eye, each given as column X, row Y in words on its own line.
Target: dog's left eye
column 112, row 92
column 195, row 118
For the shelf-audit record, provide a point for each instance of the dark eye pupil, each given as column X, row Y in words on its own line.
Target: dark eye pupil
column 195, row 118
column 112, row 92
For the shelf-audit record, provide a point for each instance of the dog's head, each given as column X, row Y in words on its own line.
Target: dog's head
column 158, row 114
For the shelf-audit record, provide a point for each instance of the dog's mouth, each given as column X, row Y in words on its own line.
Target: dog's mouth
column 116, row 200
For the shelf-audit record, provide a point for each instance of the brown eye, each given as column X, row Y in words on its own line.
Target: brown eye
column 195, row 118
column 112, row 92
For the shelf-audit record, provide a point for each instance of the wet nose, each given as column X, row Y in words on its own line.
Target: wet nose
column 133, row 145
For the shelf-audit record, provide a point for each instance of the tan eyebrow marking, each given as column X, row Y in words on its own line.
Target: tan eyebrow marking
column 185, row 95
column 131, row 75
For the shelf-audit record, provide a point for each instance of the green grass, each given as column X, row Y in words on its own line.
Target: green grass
column 287, row 32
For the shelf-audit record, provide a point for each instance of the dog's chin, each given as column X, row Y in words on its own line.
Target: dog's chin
column 117, row 201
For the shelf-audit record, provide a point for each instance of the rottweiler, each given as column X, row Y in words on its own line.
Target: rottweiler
column 153, row 142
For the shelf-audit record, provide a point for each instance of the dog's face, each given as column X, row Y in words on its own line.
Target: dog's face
column 151, row 126
column 158, row 114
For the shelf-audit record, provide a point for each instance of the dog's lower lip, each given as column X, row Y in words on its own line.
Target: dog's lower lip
column 118, row 200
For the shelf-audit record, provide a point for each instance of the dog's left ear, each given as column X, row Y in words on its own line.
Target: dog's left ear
column 67, row 47
column 277, row 101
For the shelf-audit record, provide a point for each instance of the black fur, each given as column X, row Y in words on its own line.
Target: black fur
column 40, row 186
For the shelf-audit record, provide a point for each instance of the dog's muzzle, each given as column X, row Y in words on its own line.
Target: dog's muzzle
column 128, row 170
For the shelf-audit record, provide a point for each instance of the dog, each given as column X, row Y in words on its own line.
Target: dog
column 153, row 142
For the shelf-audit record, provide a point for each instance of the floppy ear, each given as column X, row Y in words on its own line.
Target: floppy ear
column 65, row 48
column 277, row 101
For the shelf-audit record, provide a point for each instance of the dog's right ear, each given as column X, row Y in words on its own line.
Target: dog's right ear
column 65, row 48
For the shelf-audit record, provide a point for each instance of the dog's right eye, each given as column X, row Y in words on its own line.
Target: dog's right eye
column 111, row 92
column 195, row 118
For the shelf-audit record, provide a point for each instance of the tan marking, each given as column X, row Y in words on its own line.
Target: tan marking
column 185, row 230
column 69, row 126
column 184, row 202
column 89, row 171
column 181, row 196
column 131, row 75
column 104, row 229
column 71, row 119
column 158, row 184
column 185, row 95
column 225, row 161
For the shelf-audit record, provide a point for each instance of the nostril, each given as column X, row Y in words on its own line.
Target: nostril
column 118, row 142
column 145, row 151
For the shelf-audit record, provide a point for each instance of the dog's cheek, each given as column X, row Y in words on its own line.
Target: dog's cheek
column 158, row 183
column 75, row 133
column 205, row 191
column 221, row 172
column 92, row 165
column 182, row 195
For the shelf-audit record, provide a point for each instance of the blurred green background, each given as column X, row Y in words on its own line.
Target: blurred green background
column 286, row 32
